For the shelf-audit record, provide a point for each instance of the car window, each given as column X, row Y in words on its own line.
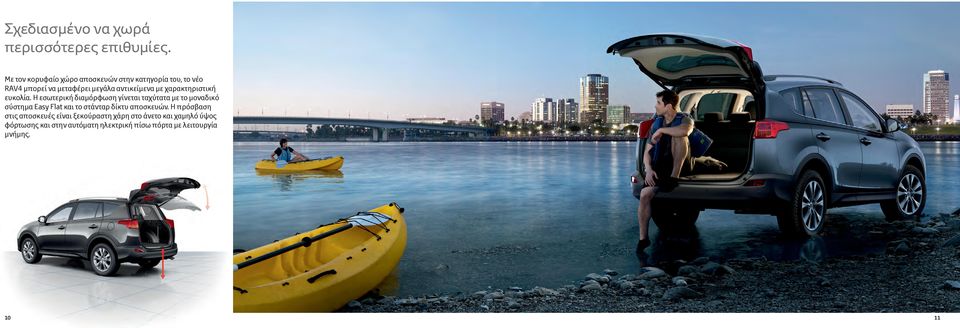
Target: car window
column 87, row 211
column 149, row 212
column 792, row 97
column 685, row 100
column 861, row 114
column 746, row 100
column 715, row 103
column 114, row 211
column 60, row 215
column 825, row 105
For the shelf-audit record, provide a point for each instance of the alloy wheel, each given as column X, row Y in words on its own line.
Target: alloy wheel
column 812, row 205
column 909, row 194
column 102, row 259
column 29, row 250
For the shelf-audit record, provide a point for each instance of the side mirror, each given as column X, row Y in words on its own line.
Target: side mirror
column 893, row 125
column 42, row 219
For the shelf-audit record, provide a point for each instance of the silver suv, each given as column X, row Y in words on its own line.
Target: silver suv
column 793, row 146
column 109, row 231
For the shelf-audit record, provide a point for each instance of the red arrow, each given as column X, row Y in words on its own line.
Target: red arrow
column 162, row 275
column 207, row 195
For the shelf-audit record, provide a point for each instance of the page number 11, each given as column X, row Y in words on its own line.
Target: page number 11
column 935, row 318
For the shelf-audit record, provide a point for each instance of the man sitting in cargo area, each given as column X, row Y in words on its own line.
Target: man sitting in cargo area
column 666, row 156
column 285, row 153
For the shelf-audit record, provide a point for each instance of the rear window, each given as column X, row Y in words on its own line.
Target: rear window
column 114, row 211
column 149, row 212
column 715, row 103
column 87, row 211
column 825, row 105
column 685, row 100
column 792, row 98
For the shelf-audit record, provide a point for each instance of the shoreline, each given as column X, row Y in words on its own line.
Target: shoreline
column 491, row 139
column 599, row 139
column 918, row 271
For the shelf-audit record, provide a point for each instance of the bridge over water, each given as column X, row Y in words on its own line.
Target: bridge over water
column 381, row 128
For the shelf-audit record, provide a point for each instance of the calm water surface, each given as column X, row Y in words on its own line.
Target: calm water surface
column 498, row 215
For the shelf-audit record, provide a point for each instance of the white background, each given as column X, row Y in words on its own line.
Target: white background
column 52, row 167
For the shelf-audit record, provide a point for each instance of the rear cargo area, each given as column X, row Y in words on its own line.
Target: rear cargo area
column 728, row 116
column 154, row 232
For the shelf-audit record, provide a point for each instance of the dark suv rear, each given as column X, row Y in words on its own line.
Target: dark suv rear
column 109, row 231
column 793, row 146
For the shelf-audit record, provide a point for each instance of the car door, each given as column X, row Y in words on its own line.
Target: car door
column 837, row 142
column 84, row 223
column 880, row 152
column 676, row 60
column 159, row 192
column 50, row 233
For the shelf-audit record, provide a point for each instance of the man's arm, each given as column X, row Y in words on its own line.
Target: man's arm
column 649, row 174
column 682, row 130
column 646, row 158
column 299, row 154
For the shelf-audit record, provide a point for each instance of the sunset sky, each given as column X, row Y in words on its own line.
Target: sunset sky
column 399, row 60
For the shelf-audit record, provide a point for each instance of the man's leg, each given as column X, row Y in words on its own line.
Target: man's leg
column 643, row 211
column 680, row 149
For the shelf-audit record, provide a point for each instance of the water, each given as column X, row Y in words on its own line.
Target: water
column 498, row 215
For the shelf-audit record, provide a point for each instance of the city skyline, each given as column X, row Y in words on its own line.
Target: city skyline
column 441, row 59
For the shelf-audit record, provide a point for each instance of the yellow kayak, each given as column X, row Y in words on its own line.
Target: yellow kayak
column 327, row 164
column 323, row 269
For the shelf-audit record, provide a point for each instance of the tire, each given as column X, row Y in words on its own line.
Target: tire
column 103, row 260
column 147, row 264
column 806, row 212
column 910, row 186
column 30, row 251
column 671, row 217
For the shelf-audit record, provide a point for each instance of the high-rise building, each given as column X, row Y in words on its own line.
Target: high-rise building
column 567, row 110
column 491, row 112
column 618, row 114
column 936, row 94
column 956, row 108
column 544, row 110
column 594, row 97
column 900, row 111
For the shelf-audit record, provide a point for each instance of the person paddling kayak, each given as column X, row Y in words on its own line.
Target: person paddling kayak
column 286, row 153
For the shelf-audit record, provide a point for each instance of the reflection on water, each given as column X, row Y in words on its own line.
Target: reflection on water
column 286, row 180
column 526, row 214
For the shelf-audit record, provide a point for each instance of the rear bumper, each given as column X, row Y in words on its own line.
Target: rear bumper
column 729, row 195
column 136, row 253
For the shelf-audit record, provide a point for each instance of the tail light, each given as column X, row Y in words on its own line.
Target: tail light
column 129, row 223
column 169, row 222
column 755, row 183
column 143, row 186
column 768, row 129
column 644, row 131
